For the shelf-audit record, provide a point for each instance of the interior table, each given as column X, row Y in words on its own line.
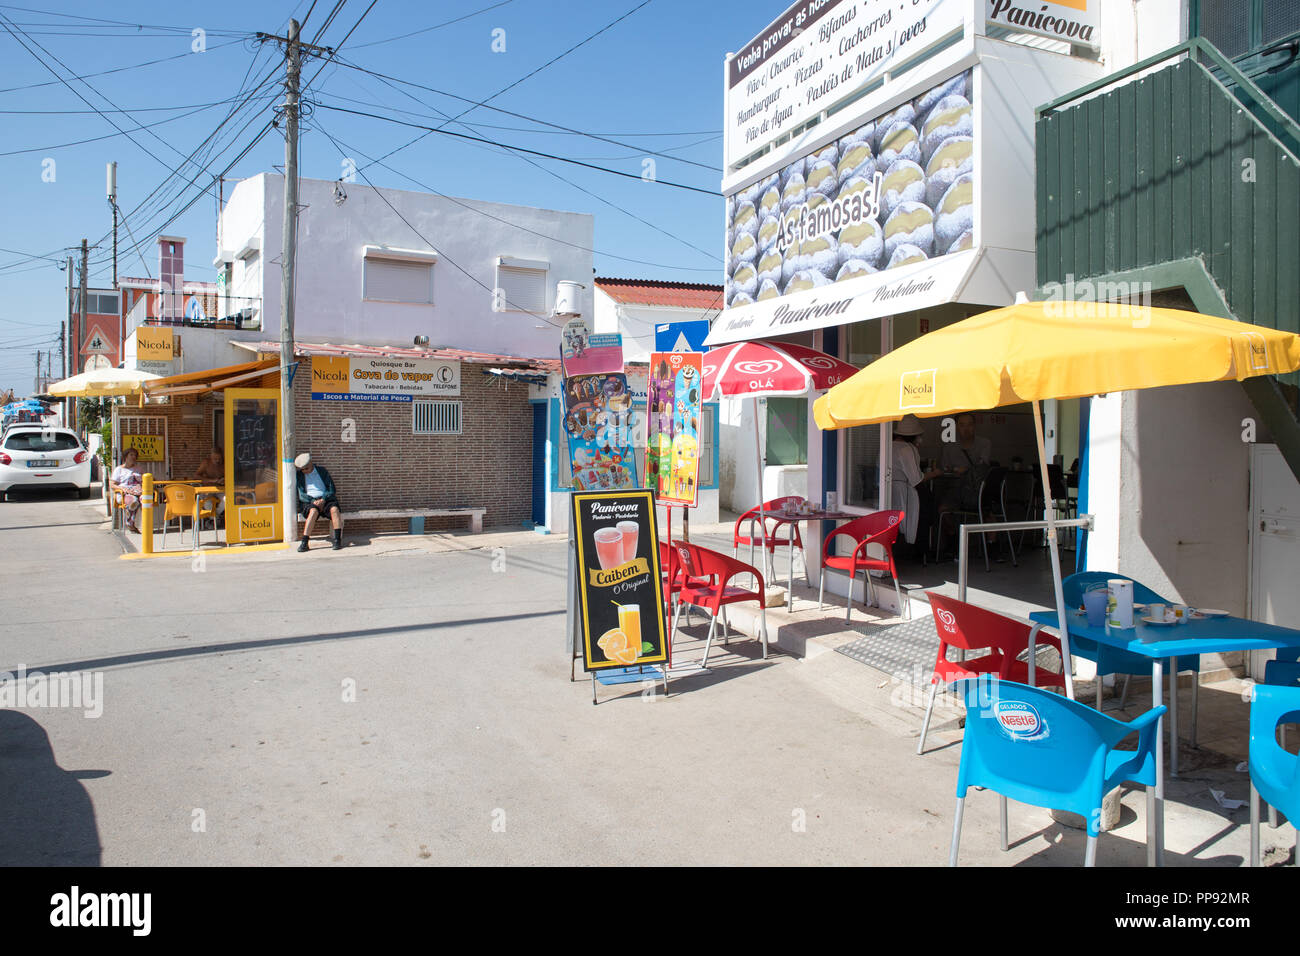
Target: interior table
column 1161, row 643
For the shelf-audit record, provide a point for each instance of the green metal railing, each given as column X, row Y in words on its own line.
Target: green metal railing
column 1198, row 50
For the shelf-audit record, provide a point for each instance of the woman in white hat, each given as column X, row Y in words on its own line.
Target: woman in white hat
column 908, row 477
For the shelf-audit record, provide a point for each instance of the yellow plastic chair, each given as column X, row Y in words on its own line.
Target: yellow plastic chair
column 208, row 508
column 180, row 504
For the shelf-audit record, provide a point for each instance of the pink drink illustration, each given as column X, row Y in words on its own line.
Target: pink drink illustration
column 628, row 530
column 609, row 547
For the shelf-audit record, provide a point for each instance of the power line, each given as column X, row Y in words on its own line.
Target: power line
column 442, row 254
column 520, row 149
column 602, row 137
column 483, row 102
column 340, row 145
column 96, row 139
column 117, row 69
column 436, row 26
column 117, row 23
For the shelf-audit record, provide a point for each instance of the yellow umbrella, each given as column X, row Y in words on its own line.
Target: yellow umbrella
column 1033, row 351
column 1038, row 350
column 101, row 383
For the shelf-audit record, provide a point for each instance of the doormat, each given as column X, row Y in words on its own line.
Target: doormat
column 904, row 651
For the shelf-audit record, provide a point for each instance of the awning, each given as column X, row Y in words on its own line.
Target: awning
column 397, row 351
column 248, row 374
column 978, row 276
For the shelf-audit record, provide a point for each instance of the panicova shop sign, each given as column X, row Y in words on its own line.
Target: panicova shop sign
column 1070, row 20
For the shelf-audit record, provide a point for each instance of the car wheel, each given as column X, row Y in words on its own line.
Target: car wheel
column 83, row 493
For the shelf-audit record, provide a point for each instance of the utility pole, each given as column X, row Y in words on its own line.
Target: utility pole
column 63, row 362
column 81, row 320
column 112, row 201
column 293, row 51
column 36, row 386
column 289, row 487
column 65, row 336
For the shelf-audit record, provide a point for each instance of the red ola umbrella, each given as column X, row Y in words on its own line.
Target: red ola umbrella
column 754, row 369
column 751, row 369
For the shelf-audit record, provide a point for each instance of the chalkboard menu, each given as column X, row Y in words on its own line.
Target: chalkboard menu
column 255, row 442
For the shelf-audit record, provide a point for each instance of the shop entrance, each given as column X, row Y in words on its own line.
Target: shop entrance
column 252, row 421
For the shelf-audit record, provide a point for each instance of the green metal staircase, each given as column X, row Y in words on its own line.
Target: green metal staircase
column 1182, row 173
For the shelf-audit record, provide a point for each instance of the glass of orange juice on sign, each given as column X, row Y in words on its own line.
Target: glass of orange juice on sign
column 629, row 622
column 609, row 547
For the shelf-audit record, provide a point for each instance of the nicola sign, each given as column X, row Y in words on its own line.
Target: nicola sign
column 1019, row 720
column 352, row 379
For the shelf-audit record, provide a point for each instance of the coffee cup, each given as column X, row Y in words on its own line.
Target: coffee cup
column 1181, row 613
column 1156, row 612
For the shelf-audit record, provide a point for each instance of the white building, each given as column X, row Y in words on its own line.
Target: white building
column 383, row 266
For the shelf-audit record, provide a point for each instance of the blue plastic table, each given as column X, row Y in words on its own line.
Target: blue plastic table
column 1162, row 642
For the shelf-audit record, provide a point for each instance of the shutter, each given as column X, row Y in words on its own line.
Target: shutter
column 391, row 280
column 522, row 290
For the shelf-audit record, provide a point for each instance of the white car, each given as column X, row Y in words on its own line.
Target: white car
column 43, row 458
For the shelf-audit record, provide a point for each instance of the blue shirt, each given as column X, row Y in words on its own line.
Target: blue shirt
column 315, row 487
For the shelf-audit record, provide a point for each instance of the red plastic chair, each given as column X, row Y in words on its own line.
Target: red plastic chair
column 971, row 628
column 705, row 583
column 766, row 536
column 882, row 528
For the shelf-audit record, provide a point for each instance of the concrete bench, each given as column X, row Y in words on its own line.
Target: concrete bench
column 415, row 515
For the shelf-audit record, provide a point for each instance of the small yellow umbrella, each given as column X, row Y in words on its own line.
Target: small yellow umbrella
column 1033, row 351
column 101, row 383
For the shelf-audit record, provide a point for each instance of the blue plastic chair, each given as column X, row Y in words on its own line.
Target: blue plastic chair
column 1048, row 751
column 1284, row 671
column 1111, row 660
column 1274, row 772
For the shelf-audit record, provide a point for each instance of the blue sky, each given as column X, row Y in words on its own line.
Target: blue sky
column 653, row 81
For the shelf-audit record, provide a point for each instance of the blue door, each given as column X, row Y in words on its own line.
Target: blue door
column 539, row 463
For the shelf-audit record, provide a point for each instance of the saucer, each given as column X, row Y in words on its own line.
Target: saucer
column 1152, row 620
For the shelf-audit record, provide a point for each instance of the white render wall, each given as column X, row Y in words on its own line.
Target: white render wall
column 636, row 322
column 1183, row 490
column 472, row 234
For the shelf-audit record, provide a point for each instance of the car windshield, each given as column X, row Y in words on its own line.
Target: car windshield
column 42, row 441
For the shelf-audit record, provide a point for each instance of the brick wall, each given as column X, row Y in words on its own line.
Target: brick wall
column 189, row 444
column 489, row 465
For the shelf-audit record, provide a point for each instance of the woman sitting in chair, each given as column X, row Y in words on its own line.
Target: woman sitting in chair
column 126, row 478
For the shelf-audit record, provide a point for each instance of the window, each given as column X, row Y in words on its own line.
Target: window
column 787, row 431
column 101, row 303
column 395, row 280
column 1239, row 27
column 708, row 453
column 520, row 285
column 42, row 441
column 860, row 484
column 435, row 418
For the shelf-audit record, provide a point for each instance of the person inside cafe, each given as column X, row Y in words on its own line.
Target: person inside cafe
column 316, row 497
column 968, row 451
column 213, row 469
column 127, row 478
column 911, row 492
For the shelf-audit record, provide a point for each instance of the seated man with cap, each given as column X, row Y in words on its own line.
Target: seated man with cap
column 316, row 497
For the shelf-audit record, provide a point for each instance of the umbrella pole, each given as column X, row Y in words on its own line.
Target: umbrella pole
column 762, row 521
column 1050, row 508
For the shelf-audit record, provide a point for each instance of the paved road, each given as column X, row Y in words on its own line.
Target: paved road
column 227, row 735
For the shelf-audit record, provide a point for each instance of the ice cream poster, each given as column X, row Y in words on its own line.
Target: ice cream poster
column 673, row 430
column 619, row 588
column 584, row 353
column 597, row 421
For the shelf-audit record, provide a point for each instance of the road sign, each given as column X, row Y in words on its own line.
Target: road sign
column 681, row 336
